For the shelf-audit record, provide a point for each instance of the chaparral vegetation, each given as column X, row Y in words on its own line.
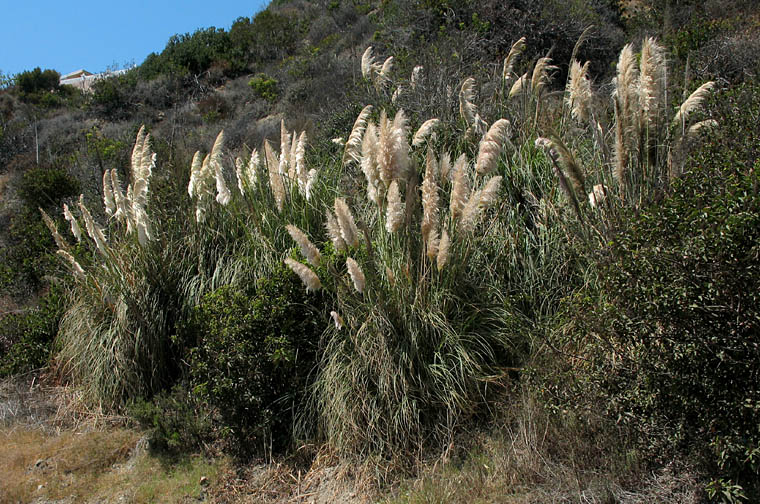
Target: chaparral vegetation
column 501, row 251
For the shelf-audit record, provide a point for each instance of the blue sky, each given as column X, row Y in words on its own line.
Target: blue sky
column 97, row 34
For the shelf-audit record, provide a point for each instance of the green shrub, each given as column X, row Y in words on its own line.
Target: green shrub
column 177, row 422
column 46, row 187
column 256, row 352
column 26, row 338
column 264, row 87
column 670, row 340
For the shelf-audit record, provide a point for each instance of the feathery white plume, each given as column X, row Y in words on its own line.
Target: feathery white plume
column 490, row 147
column 357, row 276
column 368, row 63
column 430, row 198
column 75, row 229
column 519, row 86
column 443, row 250
column 333, row 231
column 59, row 241
column 348, row 229
column 195, row 173
column 371, row 171
column 693, row 102
column 425, row 131
column 509, row 62
column 353, row 148
column 307, row 276
column 308, row 249
column 541, row 75
column 460, row 188
column 467, row 107
column 76, row 269
column 108, row 200
column 395, row 209
column 578, row 93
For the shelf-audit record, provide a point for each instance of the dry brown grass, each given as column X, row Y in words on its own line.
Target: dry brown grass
column 55, row 466
column 535, row 457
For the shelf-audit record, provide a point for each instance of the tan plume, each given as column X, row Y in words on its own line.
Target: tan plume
column 460, row 188
column 693, row 102
column 348, row 229
column 308, row 249
column 357, row 276
column 491, row 146
column 425, row 131
column 75, row 229
column 509, row 62
column 352, row 151
column 333, row 231
column 443, row 251
column 430, row 210
column 578, row 94
column 519, row 86
column 395, row 209
column 467, row 107
column 307, row 276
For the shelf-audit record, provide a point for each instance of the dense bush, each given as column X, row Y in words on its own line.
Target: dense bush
column 176, row 421
column 255, row 356
column 264, row 87
column 26, row 338
column 670, row 341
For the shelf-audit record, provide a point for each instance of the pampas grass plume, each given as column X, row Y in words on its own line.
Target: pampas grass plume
column 368, row 62
column 357, row 276
column 307, row 276
column 333, row 231
column 348, row 229
column 424, row 131
column 108, row 198
column 519, row 86
column 693, row 102
column 395, row 209
column 460, row 188
column 578, row 95
column 509, row 62
column 76, row 268
column 308, row 249
column 490, row 147
column 59, row 241
column 429, row 197
column 467, row 107
column 443, row 251
column 75, row 229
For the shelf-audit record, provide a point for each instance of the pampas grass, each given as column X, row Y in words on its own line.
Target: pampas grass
column 491, row 146
column 519, row 86
column 353, row 147
column 75, row 229
column 509, row 62
column 357, row 275
column 345, row 218
column 430, row 199
column 578, row 93
column 467, row 108
column 693, row 103
column 395, row 209
column 308, row 249
column 307, row 276
column 425, row 131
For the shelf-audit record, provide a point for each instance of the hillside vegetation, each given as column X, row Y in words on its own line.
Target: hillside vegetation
column 489, row 250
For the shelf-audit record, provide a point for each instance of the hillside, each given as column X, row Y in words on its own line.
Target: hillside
column 409, row 251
